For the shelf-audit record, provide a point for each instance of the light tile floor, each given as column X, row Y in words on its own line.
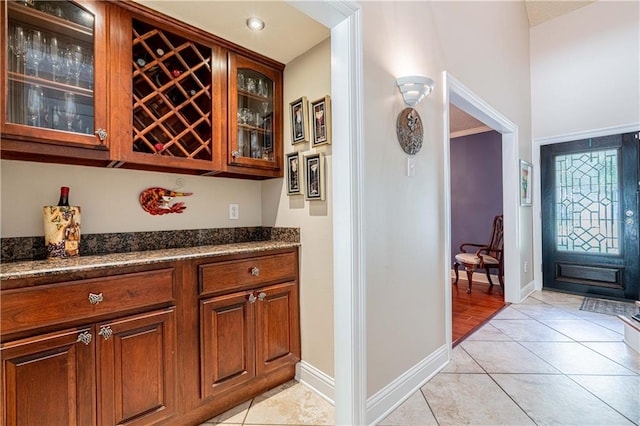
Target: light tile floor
column 542, row 362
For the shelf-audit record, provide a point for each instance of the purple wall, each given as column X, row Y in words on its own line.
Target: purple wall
column 476, row 187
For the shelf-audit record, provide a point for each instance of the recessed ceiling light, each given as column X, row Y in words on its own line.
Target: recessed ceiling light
column 255, row 24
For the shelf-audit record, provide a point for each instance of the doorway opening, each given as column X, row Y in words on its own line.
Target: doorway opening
column 476, row 202
column 459, row 96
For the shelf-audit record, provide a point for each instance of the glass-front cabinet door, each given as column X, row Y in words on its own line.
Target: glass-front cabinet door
column 54, row 71
column 255, row 114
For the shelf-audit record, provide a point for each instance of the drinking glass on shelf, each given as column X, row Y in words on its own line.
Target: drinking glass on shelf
column 35, row 51
column 35, row 105
column 18, row 45
column 68, row 110
column 88, row 71
column 73, row 63
column 260, row 88
column 55, row 57
column 241, row 81
column 258, row 120
column 251, row 85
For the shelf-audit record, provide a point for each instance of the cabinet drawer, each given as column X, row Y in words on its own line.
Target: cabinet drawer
column 223, row 276
column 44, row 305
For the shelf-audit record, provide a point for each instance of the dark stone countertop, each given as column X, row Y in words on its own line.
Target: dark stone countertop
column 37, row 268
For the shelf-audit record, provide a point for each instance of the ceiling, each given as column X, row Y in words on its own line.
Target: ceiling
column 539, row 11
column 287, row 34
column 227, row 19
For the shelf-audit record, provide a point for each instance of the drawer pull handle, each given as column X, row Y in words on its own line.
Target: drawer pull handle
column 94, row 299
column 251, row 298
column 255, row 271
column 106, row 332
column 262, row 295
column 84, row 338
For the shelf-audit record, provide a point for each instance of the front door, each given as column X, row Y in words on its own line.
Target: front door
column 590, row 192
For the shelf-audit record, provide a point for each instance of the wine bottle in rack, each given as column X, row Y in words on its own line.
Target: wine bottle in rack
column 176, row 96
column 141, row 60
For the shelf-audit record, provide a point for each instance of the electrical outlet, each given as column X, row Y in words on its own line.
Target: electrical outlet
column 234, row 212
column 526, row 266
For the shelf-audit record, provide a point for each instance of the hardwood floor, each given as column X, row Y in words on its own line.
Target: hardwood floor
column 470, row 311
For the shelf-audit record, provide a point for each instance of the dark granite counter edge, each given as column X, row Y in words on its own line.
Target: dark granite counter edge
column 17, row 249
column 36, row 268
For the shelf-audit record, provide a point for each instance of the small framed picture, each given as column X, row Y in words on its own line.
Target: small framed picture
column 314, row 176
column 294, row 173
column 299, row 121
column 525, row 183
column 321, row 118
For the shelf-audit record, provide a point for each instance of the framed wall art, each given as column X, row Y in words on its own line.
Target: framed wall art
column 525, row 183
column 294, row 173
column 314, row 176
column 321, row 119
column 299, row 120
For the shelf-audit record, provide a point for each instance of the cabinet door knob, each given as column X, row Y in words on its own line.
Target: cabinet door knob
column 235, row 154
column 255, row 271
column 102, row 134
column 251, row 298
column 84, row 337
column 94, row 299
column 262, row 295
column 106, row 332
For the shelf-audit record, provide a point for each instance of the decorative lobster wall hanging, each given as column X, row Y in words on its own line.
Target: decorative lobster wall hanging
column 156, row 201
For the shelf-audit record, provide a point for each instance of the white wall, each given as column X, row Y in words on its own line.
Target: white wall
column 585, row 69
column 109, row 199
column 485, row 46
column 309, row 75
column 585, row 81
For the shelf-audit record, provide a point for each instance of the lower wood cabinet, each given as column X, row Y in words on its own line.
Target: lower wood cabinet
column 248, row 334
column 49, row 379
column 136, row 364
column 117, row 372
column 174, row 343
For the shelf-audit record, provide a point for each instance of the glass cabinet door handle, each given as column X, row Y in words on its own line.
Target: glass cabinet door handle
column 102, row 134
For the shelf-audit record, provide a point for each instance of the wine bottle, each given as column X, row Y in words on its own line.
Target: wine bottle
column 159, row 52
column 141, row 60
column 64, row 196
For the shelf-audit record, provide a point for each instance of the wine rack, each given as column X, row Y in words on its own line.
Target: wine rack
column 172, row 104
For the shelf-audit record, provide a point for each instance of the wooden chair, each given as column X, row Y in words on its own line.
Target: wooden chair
column 487, row 256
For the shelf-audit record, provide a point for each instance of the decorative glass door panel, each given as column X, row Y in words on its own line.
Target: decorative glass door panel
column 172, row 106
column 589, row 216
column 50, row 66
column 254, row 115
column 588, row 202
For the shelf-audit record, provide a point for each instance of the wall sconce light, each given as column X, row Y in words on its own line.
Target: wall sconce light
column 414, row 88
column 409, row 127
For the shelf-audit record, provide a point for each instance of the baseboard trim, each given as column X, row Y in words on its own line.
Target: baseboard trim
column 316, row 380
column 527, row 290
column 381, row 404
column 478, row 276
